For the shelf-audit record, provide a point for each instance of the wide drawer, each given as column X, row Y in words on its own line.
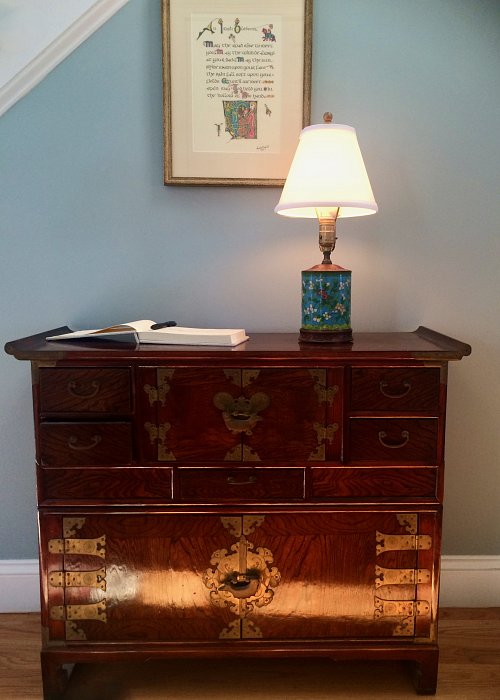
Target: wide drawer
column 393, row 440
column 85, row 390
column 373, row 482
column 395, row 388
column 79, row 444
column 214, row 485
column 117, row 485
column 219, row 577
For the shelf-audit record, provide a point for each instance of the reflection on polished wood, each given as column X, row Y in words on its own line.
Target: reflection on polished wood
column 469, row 670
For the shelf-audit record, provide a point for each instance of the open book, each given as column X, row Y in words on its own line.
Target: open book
column 144, row 332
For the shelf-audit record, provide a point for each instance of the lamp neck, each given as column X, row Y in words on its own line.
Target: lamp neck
column 327, row 235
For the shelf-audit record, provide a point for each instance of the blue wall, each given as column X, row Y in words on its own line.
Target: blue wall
column 89, row 235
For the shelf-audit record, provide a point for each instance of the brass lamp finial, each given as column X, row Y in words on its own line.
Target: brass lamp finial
column 328, row 117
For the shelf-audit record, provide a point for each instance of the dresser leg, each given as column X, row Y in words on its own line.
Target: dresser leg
column 54, row 678
column 426, row 673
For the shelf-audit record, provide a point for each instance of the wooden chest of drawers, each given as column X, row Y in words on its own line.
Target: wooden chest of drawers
column 268, row 499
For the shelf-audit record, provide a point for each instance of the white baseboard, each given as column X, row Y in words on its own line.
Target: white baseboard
column 19, row 587
column 466, row 582
column 470, row 582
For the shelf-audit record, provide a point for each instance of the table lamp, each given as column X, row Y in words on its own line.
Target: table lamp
column 327, row 180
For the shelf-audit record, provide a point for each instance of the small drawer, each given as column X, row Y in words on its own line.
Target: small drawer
column 213, row 485
column 118, row 485
column 373, row 482
column 393, row 440
column 79, row 444
column 85, row 390
column 395, row 388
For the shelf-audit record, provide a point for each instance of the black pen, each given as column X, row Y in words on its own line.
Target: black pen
column 166, row 324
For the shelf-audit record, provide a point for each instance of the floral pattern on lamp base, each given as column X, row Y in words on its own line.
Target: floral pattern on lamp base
column 326, row 299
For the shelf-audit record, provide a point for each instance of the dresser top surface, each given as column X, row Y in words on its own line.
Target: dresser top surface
column 421, row 344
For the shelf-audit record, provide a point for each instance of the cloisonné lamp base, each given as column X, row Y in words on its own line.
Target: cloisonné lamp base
column 326, row 305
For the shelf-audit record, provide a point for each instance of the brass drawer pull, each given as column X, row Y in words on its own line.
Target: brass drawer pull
column 73, row 443
column 406, row 390
column 240, row 415
column 235, row 482
column 84, row 390
column 242, row 585
column 393, row 445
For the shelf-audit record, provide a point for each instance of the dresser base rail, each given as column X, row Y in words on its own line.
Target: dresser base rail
column 423, row 658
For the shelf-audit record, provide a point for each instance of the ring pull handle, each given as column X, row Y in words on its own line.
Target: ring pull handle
column 84, row 390
column 390, row 395
column 242, row 585
column 237, row 482
column 393, row 445
column 73, row 443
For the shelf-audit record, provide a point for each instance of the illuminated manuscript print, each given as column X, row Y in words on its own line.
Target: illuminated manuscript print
column 236, row 74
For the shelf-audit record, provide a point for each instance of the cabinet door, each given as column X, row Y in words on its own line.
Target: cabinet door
column 180, row 419
column 295, row 425
column 275, row 576
column 249, row 415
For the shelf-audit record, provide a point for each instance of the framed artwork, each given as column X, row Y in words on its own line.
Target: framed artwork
column 237, row 89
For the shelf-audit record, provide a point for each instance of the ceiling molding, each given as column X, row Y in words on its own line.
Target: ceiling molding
column 27, row 78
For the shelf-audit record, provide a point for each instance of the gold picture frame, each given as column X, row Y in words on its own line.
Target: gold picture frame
column 236, row 89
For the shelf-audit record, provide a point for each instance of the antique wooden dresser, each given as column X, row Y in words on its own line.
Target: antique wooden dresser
column 270, row 499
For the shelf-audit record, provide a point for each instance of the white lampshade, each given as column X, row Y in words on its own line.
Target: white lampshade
column 327, row 172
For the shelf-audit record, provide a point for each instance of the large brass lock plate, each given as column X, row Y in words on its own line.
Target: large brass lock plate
column 242, row 579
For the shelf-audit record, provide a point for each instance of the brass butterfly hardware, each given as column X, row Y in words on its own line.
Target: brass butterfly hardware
column 325, row 394
column 238, row 525
column 326, row 432
column 241, row 414
column 159, row 433
column 159, row 392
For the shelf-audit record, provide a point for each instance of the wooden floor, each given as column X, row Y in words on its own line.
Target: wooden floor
column 469, row 670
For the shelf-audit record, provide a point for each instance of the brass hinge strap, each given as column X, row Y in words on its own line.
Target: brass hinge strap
column 91, row 611
column 401, row 608
column 394, row 543
column 391, row 577
column 77, row 579
column 86, row 547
